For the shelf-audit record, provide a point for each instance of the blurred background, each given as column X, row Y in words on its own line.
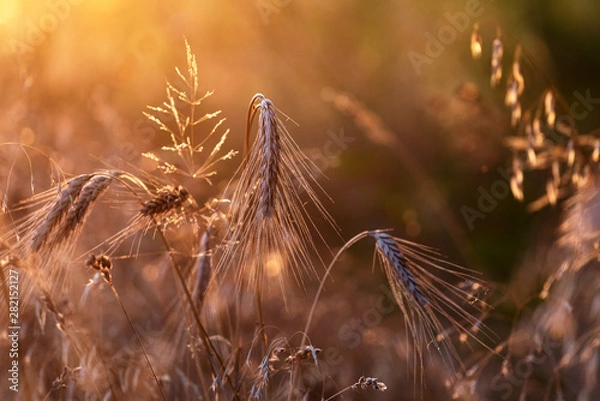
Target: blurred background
column 76, row 76
column 384, row 96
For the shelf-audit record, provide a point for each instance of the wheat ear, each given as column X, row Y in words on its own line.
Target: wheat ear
column 58, row 210
column 422, row 286
column 166, row 200
column 270, row 229
column 80, row 209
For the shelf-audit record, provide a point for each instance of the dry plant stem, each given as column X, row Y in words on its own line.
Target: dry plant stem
column 210, row 348
column 342, row 391
column 39, row 283
column 261, row 321
column 47, row 300
column 347, row 245
column 138, row 340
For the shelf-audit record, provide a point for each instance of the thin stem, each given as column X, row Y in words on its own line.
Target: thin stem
column 139, row 341
column 338, row 393
column 210, row 348
column 261, row 321
column 249, row 119
column 347, row 245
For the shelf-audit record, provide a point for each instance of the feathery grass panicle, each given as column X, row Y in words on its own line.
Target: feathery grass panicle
column 547, row 143
column 270, row 229
column 178, row 117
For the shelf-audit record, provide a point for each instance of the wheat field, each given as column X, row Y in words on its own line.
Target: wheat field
column 280, row 200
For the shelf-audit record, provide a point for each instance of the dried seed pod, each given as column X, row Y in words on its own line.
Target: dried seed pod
column 476, row 42
column 497, row 52
column 549, row 108
column 102, row 264
column 570, row 152
column 555, row 173
column 517, row 169
column 551, row 192
column 596, row 153
column 531, row 156
column 516, row 188
column 512, row 95
column 515, row 115
column 365, row 383
column 538, row 136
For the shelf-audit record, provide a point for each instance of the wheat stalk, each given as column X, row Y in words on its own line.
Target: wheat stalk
column 270, row 229
column 426, row 290
column 423, row 287
column 79, row 211
column 58, row 210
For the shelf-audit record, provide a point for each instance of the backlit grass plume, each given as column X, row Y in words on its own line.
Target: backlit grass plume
column 270, row 229
column 438, row 299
